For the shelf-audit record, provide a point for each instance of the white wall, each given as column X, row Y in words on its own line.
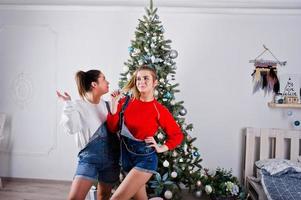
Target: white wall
column 41, row 48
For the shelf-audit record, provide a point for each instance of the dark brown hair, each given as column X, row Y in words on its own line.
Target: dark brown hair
column 84, row 80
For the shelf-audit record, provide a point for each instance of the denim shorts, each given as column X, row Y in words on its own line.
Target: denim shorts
column 136, row 154
column 99, row 159
column 95, row 173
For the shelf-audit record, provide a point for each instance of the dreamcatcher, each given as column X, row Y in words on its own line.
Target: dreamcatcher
column 265, row 73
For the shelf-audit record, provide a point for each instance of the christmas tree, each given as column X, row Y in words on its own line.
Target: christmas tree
column 181, row 167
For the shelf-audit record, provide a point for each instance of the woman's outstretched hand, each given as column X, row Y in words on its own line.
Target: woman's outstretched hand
column 63, row 97
column 152, row 143
column 116, row 96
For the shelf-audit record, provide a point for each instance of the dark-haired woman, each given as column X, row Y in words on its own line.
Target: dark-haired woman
column 98, row 157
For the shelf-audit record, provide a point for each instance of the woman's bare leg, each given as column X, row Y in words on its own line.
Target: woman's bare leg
column 103, row 191
column 141, row 194
column 79, row 189
column 132, row 184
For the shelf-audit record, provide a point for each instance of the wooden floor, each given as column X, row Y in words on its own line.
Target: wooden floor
column 21, row 189
column 27, row 189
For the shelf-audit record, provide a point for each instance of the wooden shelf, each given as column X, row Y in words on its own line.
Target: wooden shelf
column 277, row 105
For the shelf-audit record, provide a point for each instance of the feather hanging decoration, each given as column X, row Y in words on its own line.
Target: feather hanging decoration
column 264, row 79
column 272, row 72
column 257, row 75
column 265, row 73
column 274, row 80
column 257, row 86
column 276, row 87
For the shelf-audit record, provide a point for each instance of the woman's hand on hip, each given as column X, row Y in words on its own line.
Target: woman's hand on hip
column 63, row 97
column 152, row 143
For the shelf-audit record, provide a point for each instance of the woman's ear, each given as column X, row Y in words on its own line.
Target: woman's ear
column 156, row 83
column 93, row 84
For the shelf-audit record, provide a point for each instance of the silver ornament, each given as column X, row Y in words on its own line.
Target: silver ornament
column 168, row 194
column 173, row 54
column 296, row 123
column 174, row 174
column 183, row 112
column 160, row 136
column 166, row 163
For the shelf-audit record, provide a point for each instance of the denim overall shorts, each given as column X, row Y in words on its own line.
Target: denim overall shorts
column 136, row 154
column 99, row 159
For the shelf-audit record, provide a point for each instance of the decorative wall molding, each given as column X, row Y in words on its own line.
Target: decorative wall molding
column 23, row 91
column 238, row 4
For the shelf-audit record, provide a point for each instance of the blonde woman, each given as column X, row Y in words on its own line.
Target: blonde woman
column 98, row 157
column 138, row 120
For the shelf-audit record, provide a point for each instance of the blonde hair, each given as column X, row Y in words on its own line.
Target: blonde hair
column 131, row 85
column 84, row 80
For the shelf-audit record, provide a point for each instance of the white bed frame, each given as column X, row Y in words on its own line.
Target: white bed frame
column 263, row 143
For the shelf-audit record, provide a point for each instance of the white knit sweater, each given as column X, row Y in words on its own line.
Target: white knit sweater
column 82, row 119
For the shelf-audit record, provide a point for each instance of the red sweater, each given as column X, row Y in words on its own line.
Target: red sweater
column 143, row 120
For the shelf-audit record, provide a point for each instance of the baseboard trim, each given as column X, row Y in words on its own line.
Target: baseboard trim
column 34, row 180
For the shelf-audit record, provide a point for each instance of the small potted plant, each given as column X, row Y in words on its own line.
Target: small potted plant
column 222, row 185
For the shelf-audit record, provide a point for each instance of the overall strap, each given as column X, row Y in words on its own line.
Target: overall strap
column 96, row 135
column 108, row 107
column 121, row 114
